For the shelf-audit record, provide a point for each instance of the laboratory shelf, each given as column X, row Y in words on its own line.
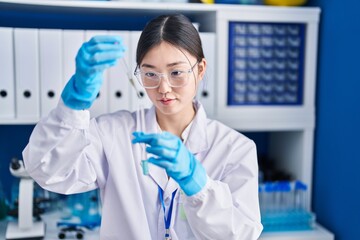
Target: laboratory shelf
column 213, row 18
column 318, row 233
column 155, row 6
column 21, row 121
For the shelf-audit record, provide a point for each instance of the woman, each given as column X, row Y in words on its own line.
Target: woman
column 202, row 181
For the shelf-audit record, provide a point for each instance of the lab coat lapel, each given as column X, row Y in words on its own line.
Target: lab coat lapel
column 197, row 140
column 171, row 186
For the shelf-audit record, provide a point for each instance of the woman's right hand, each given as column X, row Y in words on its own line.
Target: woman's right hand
column 94, row 56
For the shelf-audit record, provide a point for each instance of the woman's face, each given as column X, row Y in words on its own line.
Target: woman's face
column 166, row 59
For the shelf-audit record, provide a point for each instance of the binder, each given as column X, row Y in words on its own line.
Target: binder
column 27, row 73
column 7, row 80
column 119, row 89
column 72, row 41
column 206, row 91
column 134, row 36
column 100, row 105
column 50, row 46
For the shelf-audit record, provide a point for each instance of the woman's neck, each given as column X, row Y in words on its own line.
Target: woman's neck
column 175, row 124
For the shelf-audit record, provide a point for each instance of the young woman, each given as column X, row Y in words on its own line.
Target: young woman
column 202, row 181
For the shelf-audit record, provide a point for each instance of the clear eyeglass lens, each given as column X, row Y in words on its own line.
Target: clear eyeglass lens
column 152, row 79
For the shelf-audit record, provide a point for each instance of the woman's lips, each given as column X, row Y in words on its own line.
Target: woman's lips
column 166, row 101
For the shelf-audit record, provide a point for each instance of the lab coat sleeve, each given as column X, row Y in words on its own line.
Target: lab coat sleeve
column 64, row 153
column 228, row 208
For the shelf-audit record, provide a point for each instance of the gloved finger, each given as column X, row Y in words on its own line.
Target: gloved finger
column 98, row 57
column 140, row 137
column 104, row 43
column 157, row 140
column 104, row 47
column 136, row 133
column 89, row 70
column 163, row 152
column 106, row 39
column 168, row 140
column 104, row 57
column 161, row 162
column 84, row 67
column 165, row 139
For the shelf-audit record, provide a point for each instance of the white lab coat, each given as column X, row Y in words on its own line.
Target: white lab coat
column 69, row 153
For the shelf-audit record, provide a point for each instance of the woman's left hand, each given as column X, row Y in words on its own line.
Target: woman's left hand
column 172, row 155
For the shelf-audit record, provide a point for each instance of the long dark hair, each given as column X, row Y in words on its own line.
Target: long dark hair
column 175, row 29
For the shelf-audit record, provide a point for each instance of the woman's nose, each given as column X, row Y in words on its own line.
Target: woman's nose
column 164, row 86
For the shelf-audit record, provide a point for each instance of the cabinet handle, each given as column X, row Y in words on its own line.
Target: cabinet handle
column 118, row 94
column 51, row 94
column 27, row 94
column 3, row 93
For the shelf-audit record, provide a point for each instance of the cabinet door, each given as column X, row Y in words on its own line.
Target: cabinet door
column 134, row 104
column 27, row 73
column 119, row 89
column 7, row 87
column 50, row 54
column 206, row 91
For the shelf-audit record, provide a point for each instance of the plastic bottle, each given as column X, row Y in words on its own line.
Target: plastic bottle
column 269, row 197
column 300, row 196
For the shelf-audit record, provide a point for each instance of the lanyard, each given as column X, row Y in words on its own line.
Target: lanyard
column 167, row 219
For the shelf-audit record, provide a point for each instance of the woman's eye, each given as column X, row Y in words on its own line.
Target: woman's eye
column 150, row 74
column 176, row 73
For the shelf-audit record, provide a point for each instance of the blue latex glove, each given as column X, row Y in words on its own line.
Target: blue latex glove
column 172, row 155
column 92, row 59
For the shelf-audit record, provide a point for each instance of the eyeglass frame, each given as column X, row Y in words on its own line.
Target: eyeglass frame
column 161, row 75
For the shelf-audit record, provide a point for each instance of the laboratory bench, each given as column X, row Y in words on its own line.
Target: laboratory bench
column 319, row 233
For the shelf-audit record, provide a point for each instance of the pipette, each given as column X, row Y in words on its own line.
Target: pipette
column 131, row 80
column 140, row 118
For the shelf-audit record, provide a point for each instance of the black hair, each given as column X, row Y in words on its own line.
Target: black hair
column 175, row 29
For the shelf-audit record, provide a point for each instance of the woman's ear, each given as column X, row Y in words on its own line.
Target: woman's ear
column 202, row 68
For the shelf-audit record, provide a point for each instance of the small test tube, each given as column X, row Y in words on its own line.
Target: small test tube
column 145, row 167
column 141, row 125
column 144, row 161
